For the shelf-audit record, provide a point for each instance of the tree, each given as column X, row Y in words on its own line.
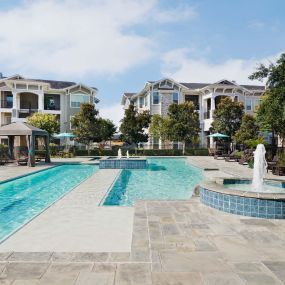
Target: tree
column 134, row 124
column 271, row 112
column 275, row 73
column 227, row 117
column 89, row 128
column 47, row 122
column 248, row 129
column 183, row 123
column 158, row 127
column 107, row 129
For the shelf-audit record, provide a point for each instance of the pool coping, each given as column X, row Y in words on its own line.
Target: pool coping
column 109, row 190
column 61, row 197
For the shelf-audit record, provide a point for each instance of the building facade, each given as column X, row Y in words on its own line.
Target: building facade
column 21, row 97
column 157, row 96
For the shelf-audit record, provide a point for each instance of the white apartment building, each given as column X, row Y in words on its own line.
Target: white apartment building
column 21, row 97
column 156, row 96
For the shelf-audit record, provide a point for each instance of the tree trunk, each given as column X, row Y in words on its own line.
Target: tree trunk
column 88, row 149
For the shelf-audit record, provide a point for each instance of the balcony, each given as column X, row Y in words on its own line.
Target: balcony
column 52, row 102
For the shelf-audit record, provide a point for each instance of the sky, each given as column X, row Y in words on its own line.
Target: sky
column 118, row 45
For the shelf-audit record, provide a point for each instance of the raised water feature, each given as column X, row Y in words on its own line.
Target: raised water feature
column 256, row 198
column 122, row 163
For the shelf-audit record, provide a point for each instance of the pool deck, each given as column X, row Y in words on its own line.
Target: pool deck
column 168, row 242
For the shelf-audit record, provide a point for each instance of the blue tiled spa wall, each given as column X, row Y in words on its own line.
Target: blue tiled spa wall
column 123, row 163
column 246, row 206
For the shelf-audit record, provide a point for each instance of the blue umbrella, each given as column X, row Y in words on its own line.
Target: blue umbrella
column 218, row 135
column 64, row 135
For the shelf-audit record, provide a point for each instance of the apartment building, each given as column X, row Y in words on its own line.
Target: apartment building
column 156, row 97
column 21, row 97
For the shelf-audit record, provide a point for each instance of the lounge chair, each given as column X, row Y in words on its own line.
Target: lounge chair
column 221, row 155
column 272, row 163
column 245, row 158
column 23, row 159
column 211, row 151
column 232, row 156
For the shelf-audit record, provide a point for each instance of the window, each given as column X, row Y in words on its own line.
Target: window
column 256, row 104
column 155, row 98
column 77, row 99
column 175, row 97
column 248, row 104
column 141, row 102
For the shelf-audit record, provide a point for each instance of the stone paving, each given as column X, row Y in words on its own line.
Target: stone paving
column 173, row 242
column 178, row 242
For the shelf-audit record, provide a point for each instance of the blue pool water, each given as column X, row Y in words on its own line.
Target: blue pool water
column 164, row 179
column 23, row 198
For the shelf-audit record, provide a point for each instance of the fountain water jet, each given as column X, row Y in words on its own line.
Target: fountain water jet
column 128, row 156
column 259, row 168
column 119, row 153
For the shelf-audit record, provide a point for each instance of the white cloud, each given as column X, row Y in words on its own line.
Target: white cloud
column 179, row 13
column 179, row 65
column 256, row 24
column 67, row 37
column 113, row 112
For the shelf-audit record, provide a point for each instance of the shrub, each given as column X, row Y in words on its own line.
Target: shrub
column 144, row 152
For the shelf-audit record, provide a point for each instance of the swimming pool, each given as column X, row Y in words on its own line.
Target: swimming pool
column 23, row 198
column 164, row 179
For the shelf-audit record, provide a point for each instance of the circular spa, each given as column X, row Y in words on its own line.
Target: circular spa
column 255, row 198
column 236, row 196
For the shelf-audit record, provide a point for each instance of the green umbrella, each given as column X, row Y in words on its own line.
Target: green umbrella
column 218, row 135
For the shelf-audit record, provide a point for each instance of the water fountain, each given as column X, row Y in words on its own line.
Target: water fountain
column 119, row 153
column 259, row 168
column 259, row 197
column 120, row 162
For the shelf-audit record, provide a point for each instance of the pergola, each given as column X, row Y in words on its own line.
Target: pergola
column 30, row 133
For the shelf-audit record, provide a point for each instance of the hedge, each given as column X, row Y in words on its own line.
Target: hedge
column 145, row 152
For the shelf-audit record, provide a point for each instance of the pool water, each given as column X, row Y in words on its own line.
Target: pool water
column 269, row 186
column 23, row 198
column 164, row 179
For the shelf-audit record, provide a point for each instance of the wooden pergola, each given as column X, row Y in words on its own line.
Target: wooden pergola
column 30, row 133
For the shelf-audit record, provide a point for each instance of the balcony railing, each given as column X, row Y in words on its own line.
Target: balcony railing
column 6, row 104
column 28, row 105
column 52, row 107
column 207, row 114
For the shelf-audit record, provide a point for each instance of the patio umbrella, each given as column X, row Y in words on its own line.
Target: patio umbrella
column 64, row 136
column 217, row 135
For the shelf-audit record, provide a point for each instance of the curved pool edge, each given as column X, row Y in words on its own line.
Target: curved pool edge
column 239, row 202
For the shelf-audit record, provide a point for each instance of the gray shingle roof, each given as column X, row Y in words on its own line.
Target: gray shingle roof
column 195, row 85
column 129, row 94
column 254, row 87
column 57, row 84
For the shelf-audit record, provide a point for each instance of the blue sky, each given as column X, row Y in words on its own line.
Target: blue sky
column 117, row 46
